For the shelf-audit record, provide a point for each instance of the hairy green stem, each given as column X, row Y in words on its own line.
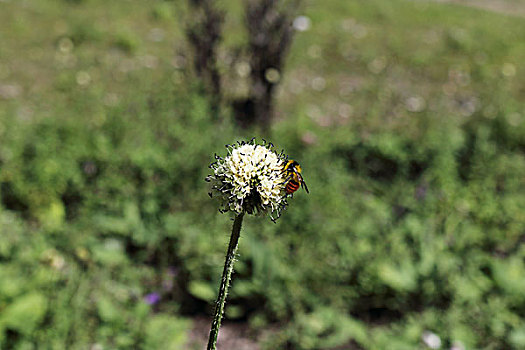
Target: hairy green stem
column 225, row 282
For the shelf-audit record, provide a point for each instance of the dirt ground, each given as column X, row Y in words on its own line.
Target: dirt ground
column 231, row 336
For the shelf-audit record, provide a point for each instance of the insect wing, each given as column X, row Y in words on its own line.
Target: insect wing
column 304, row 185
column 301, row 181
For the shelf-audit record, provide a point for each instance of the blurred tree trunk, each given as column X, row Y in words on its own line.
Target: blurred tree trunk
column 270, row 33
column 204, row 33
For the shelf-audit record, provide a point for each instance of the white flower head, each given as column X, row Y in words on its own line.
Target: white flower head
column 432, row 340
column 249, row 179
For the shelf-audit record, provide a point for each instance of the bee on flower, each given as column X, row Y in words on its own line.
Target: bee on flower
column 253, row 178
column 294, row 177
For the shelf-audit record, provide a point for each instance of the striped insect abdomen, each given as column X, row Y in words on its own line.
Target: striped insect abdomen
column 292, row 186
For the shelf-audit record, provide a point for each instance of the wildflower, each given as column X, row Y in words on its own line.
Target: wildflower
column 249, row 179
column 302, row 23
column 432, row 340
column 152, row 298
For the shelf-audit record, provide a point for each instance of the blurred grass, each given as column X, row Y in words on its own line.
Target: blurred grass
column 408, row 119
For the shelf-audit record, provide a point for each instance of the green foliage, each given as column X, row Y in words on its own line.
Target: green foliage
column 61, row 175
column 413, row 154
column 25, row 314
column 126, row 42
column 165, row 332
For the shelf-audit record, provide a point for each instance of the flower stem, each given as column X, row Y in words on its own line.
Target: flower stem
column 225, row 282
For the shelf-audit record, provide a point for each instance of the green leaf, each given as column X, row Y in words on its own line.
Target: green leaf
column 107, row 310
column 111, row 253
column 517, row 338
column 165, row 332
column 202, row 290
column 25, row 313
column 402, row 278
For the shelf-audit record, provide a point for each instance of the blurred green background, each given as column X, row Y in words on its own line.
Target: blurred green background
column 408, row 118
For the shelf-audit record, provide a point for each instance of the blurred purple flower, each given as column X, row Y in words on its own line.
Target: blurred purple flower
column 152, row 298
